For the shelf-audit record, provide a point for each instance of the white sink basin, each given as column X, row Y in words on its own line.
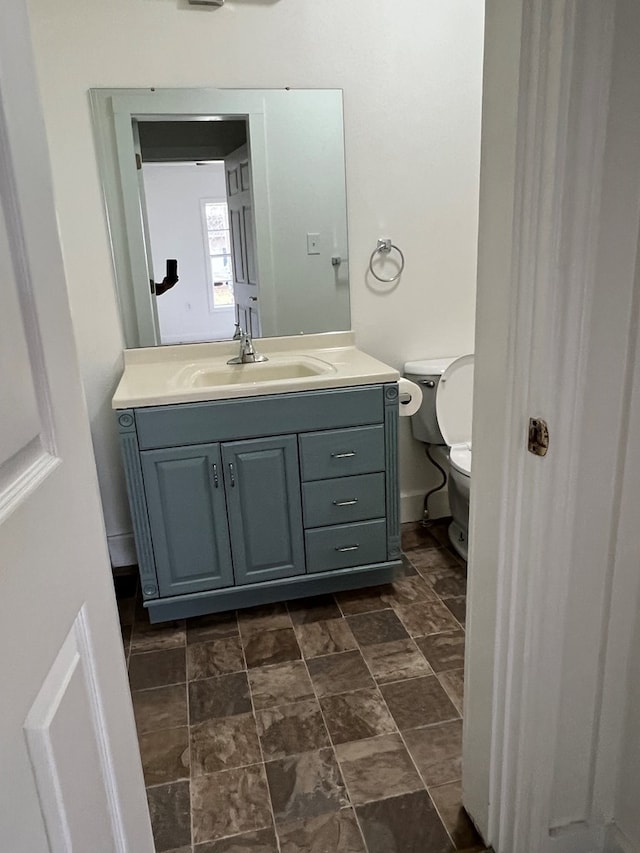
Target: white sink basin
column 274, row 370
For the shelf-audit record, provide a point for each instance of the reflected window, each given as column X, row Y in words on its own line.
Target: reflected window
column 218, row 246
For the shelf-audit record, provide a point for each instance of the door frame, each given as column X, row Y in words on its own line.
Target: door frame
column 559, row 217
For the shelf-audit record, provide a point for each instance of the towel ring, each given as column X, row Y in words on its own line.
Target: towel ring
column 384, row 247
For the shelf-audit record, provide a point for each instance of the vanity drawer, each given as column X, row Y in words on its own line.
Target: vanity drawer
column 343, row 499
column 345, row 545
column 342, row 452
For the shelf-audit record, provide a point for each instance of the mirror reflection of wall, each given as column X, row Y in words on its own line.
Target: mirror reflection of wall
column 274, row 260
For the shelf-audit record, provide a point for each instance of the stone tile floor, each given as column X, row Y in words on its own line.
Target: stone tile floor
column 326, row 725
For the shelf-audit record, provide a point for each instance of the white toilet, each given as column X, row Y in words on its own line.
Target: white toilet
column 444, row 419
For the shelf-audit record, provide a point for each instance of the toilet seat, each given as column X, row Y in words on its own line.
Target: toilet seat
column 460, row 458
column 454, row 403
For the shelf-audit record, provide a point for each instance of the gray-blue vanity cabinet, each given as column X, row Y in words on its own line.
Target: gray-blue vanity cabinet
column 262, row 483
column 260, row 499
column 188, row 518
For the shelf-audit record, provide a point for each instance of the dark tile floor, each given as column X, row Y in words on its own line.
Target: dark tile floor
column 327, row 725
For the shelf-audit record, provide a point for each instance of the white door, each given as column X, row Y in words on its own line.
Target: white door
column 241, row 224
column 553, row 571
column 70, row 771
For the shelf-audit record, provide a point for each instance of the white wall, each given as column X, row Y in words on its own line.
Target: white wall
column 411, row 75
column 173, row 193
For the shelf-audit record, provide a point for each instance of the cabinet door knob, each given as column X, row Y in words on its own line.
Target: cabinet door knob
column 232, row 475
column 346, row 503
column 348, row 548
column 216, row 481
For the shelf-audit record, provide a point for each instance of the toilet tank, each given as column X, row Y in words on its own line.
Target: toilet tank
column 427, row 374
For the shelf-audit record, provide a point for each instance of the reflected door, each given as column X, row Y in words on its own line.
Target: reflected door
column 243, row 243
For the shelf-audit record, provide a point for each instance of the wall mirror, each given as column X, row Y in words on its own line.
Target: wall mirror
column 225, row 207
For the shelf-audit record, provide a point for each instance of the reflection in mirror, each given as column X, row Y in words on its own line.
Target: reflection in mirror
column 197, row 204
column 226, row 208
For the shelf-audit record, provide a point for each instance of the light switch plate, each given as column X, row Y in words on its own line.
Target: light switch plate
column 313, row 244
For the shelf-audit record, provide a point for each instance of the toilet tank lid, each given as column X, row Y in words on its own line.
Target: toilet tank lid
column 429, row 366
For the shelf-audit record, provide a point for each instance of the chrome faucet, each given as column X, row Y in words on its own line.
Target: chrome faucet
column 248, row 355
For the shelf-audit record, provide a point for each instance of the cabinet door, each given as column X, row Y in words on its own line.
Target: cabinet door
column 187, row 514
column 262, row 481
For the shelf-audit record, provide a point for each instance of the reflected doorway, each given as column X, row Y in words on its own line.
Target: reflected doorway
column 196, row 200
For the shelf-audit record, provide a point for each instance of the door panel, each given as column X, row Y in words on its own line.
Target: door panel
column 237, row 249
column 232, row 181
column 25, row 440
column 249, row 245
column 265, row 515
column 187, row 514
column 245, row 176
column 70, row 783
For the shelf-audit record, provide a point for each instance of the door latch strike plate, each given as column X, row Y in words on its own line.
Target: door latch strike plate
column 538, row 437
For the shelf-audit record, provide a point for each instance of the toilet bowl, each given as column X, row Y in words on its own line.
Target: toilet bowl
column 444, row 419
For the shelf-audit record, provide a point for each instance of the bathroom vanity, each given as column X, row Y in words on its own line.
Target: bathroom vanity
column 256, row 483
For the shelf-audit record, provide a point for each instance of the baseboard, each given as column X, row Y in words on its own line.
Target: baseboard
column 412, row 506
column 122, row 550
column 618, row 842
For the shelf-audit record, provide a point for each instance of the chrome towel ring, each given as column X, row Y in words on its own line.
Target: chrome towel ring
column 384, row 247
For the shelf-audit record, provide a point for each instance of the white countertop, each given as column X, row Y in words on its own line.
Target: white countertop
column 156, row 376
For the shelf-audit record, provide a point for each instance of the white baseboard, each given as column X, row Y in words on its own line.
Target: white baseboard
column 617, row 841
column 122, row 550
column 412, row 506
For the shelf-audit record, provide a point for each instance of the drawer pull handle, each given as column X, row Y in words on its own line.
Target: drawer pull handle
column 216, row 481
column 346, row 503
column 348, row 548
column 232, row 475
column 344, row 455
